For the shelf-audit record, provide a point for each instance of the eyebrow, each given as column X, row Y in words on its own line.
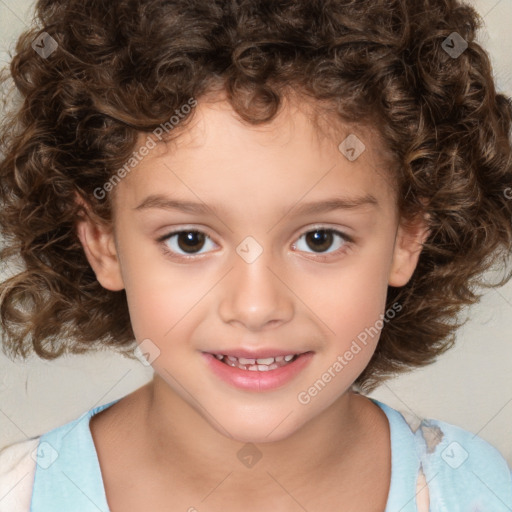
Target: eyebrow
column 160, row 201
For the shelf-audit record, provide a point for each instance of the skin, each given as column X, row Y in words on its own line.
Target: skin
column 179, row 435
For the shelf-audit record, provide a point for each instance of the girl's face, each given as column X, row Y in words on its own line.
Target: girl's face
column 241, row 240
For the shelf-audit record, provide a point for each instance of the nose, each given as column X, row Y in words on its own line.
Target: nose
column 256, row 295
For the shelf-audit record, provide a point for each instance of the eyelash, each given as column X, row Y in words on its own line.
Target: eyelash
column 319, row 256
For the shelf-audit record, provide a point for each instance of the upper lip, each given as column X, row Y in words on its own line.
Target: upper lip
column 263, row 353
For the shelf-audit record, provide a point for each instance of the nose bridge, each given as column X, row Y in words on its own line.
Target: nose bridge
column 255, row 295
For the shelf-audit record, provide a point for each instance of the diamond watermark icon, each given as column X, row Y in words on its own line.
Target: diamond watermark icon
column 146, row 352
column 454, row 455
column 249, row 455
column 44, row 455
column 44, row 45
column 454, row 45
column 352, row 147
column 249, row 249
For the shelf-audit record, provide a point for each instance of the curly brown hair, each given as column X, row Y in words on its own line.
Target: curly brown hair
column 122, row 68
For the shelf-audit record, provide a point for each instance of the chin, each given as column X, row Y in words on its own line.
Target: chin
column 270, row 430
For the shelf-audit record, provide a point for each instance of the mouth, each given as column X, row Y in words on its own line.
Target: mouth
column 264, row 364
column 257, row 374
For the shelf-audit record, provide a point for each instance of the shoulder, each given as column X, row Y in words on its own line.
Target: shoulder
column 455, row 447
column 455, row 470
column 463, row 471
column 17, row 470
column 69, row 445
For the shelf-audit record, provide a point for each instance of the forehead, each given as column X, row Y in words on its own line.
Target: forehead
column 302, row 150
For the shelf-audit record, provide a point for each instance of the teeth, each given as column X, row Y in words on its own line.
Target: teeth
column 267, row 361
column 242, row 360
column 259, row 367
column 261, row 364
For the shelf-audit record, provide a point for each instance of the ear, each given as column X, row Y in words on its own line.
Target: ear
column 408, row 245
column 97, row 239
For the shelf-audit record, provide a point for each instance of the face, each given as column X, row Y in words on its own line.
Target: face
column 287, row 249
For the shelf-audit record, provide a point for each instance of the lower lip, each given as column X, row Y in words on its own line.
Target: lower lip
column 256, row 380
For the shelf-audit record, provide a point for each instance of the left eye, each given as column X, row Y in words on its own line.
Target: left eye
column 321, row 239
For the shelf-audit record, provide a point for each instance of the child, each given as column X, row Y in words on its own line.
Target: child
column 284, row 203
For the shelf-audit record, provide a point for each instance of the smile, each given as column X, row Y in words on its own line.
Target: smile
column 261, row 364
column 257, row 374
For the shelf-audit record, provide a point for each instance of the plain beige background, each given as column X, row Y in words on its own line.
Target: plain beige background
column 470, row 386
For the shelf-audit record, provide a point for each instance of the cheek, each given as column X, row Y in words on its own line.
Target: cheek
column 352, row 295
column 350, row 302
column 161, row 304
column 159, row 293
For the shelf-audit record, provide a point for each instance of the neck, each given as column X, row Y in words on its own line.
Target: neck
column 184, row 442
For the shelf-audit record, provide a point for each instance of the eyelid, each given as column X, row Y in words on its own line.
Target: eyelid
column 326, row 227
column 184, row 228
column 301, row 232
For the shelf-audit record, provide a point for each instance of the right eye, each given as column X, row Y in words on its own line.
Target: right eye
column 190, row 242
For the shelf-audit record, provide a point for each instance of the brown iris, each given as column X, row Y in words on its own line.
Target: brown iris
column 190, row 241
column 321, row 238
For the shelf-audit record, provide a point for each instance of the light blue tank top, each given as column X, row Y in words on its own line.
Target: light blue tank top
column 464, row 473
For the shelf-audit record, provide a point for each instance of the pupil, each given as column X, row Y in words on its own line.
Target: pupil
column 322, row 236
column 190, row 239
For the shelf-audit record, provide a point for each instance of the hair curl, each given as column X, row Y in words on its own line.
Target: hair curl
column 121, row 68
